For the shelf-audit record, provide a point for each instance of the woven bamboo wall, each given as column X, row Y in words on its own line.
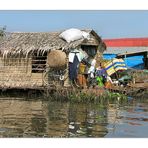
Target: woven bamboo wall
column 17, row 73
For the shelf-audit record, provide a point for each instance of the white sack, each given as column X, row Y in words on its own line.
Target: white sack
column 85, row 35
column 73, row 35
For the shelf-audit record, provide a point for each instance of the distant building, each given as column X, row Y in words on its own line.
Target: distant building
column 133, row 50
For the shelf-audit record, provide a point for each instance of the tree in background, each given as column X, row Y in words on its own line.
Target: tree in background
column 2, row 31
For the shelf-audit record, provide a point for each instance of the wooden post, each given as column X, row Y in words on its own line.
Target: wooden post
column 114, row 69
column 66, row 81
column 146, row 60
column 125, row 58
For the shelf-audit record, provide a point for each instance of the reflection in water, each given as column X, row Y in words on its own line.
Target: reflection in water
column 20, row 118
column 57, row 119
column 129, row 120
column 87, row 120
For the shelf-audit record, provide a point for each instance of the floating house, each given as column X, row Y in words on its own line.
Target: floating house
column 133, row 50
column 24, row 56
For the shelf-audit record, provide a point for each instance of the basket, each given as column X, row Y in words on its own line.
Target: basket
column 56, row 58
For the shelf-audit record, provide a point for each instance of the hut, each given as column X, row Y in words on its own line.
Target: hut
column 24, row 56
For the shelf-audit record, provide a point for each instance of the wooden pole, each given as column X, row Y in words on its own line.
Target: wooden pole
column 115, row 70
column 125, row 58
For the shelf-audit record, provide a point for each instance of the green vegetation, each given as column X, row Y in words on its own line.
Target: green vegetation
column 79, row 96
column 2, row 31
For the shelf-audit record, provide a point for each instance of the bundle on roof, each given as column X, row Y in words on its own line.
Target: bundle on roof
column 74, row 34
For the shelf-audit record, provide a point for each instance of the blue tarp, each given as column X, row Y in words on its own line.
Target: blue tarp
column 132, row 62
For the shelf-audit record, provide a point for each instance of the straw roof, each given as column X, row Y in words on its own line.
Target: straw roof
column 26, row 43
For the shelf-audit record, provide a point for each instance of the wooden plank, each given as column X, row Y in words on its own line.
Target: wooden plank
column 139, row 85
column 131, row 53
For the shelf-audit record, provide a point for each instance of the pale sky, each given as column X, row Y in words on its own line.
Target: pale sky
column 108, row 24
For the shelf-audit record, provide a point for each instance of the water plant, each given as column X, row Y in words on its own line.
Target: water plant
column 86, row 96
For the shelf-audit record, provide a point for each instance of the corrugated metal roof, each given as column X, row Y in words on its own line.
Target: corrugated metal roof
column 122, row 50
column 126, row 42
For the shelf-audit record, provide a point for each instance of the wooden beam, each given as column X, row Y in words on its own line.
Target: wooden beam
column 131, row 54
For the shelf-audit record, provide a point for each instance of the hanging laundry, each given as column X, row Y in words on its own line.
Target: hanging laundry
column 114, row 66
column 109, row 82
column 73, row 68
column 101, row 72
column 99, row 80
column 82, row 81
column 91, row 70
column 71, row 57
column 79, row 53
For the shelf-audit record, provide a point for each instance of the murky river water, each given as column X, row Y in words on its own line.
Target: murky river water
column 22, row 118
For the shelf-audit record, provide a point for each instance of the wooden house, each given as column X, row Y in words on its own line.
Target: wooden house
column 24, row 56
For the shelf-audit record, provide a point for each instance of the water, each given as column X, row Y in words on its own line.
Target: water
column 22, row 118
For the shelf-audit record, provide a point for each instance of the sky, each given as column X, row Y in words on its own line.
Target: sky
column 108, row 24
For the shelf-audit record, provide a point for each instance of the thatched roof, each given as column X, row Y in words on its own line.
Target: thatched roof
column 28, row 42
